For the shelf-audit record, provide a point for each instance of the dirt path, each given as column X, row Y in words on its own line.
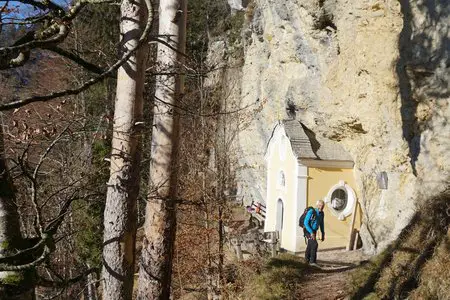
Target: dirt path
column 329, row 282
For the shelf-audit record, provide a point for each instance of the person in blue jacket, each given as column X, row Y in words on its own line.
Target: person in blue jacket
column 314, row 220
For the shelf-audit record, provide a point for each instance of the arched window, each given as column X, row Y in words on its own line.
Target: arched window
column 280, row 215
column 281, row 180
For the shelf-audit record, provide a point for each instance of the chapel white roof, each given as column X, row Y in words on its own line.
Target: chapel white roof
column 308, row 145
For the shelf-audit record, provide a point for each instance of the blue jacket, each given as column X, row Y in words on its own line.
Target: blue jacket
column 315, row 224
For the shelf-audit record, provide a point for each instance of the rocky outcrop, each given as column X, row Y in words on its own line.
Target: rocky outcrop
column 371, row 75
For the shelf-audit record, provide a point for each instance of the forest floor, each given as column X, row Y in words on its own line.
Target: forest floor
column 330, row 281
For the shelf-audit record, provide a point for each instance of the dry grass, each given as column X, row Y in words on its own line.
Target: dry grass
column 396, row 276
column 275, row 278
column 361, row 275
column 434, row 280
column 412, row 266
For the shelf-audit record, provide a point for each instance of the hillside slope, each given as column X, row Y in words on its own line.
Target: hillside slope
column 417, row 264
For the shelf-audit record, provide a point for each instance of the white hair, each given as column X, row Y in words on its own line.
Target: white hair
column 320, row 201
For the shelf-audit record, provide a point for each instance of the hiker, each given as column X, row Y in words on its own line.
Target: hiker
column 314, row 219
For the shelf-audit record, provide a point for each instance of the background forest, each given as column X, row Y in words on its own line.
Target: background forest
column 58, row 153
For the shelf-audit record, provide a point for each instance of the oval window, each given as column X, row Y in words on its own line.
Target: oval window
column 339, row 199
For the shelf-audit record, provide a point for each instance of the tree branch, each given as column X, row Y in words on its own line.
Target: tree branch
column 92, row 81
column 74, row 10
column 158, row 40
column 44, row 5
column 40, row 259
column 44, row 203
column 54, row 224
column 2, row 9
column 59, row 20
column 67, row 282
column 18, row 255
column 57, row 33
column 77, row 59
column 34, row 181
column 189, row 112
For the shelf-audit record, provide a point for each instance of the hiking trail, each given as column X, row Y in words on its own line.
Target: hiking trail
column 329, row 282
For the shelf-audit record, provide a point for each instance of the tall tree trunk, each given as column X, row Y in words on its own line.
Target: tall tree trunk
column 160, row 223
column 91, row 289
column 14, row 285
column 123, row 186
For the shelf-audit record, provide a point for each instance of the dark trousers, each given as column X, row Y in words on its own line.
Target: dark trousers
column 311, row 249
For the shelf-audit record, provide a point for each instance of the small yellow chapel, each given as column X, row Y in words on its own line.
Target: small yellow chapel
column 302, row 168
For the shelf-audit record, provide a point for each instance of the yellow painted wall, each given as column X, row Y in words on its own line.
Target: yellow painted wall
column 320, row 181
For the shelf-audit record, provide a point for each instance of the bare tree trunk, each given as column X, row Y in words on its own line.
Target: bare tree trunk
column 222, row 169
column 91, row 289
column 14, row 285
column 123, row 186
column 155, row 270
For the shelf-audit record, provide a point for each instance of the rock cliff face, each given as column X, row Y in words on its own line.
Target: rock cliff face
column 372, row 75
